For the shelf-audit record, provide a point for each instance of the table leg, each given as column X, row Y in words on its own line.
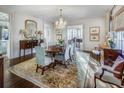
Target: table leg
column 24, row 52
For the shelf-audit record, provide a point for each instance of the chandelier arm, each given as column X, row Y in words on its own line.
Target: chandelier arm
column 60, row 12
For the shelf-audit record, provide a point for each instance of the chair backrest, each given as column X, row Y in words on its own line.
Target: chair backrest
column 67, row 52
column 118, row 66
column 40, row 55
column 72, row 50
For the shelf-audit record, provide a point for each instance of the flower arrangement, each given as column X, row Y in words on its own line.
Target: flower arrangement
column 38, row 34
column 111, row 42
column 60, row 41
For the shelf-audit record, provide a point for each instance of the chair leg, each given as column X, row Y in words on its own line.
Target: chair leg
column 43, row 69
column 53, row 65
column 65, row 65
column 37, row 68
column 68, row 61
column 94, row 82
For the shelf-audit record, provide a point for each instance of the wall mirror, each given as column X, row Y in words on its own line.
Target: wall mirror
column 31, row 27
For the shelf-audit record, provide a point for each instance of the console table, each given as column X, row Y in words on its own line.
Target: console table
column 1, row 73
column 27, row 44
column 96, row 54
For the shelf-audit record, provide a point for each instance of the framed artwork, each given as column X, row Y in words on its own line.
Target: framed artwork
column 94, row 38
column 94, row 30
column 59, row 36
column 31, row 27
column 94, row 33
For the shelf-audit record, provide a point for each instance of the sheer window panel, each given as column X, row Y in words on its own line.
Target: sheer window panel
column 120, row 40
column 74, row 32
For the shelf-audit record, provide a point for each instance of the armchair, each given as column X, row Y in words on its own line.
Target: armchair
column 113, row 75
column 43, row 62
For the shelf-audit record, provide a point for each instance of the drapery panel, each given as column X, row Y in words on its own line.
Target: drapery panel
column 118, row 20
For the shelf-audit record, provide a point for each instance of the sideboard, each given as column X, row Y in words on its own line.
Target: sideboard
column 27, row 44
column 1, row 72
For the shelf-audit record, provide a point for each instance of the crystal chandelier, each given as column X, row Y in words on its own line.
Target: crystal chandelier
column 61, row 22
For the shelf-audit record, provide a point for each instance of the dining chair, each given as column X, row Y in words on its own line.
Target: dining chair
column 112, row 74
column 72, row 52
column 43, row 62
column 64, row 58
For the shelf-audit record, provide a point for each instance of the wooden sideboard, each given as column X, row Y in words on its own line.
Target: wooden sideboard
column 1, row 72
column 111, row 53
column 27, row 44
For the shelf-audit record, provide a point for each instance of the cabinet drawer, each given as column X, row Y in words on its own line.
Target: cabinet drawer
column 28, row 45
column 35, row 43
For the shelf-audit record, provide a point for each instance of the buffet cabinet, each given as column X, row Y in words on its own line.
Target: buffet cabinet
column 27, row 44
column 1, row 72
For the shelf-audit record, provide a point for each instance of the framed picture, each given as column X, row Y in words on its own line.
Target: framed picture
column 59, row 36
column 94, row 38
column 31, row 27
column 94, row 33
column 94, row 30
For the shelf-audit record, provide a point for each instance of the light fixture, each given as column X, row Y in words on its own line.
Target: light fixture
column 61, row 22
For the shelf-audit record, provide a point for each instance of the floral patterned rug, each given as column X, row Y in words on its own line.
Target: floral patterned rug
column 60, row 77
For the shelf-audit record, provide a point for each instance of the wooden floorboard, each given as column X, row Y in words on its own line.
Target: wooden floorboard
column 13, row 81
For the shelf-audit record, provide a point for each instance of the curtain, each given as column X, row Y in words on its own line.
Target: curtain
column 119, row 40
column 118, row 20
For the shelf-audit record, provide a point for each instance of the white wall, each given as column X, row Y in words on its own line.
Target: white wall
column 49, row 33
column 17, row 22
column 91, row 22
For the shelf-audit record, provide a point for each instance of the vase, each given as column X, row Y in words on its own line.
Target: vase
column 112, row 46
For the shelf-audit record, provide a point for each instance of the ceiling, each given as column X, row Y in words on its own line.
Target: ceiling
column 70, row 12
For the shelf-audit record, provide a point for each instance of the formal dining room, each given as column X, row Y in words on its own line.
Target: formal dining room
column 61, row 46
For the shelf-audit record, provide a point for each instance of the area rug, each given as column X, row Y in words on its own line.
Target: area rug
column 60, row 77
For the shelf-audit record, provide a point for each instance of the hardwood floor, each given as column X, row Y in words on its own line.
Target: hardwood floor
column 13, row 81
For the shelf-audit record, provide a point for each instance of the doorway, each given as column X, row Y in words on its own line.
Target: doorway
column 4, row 34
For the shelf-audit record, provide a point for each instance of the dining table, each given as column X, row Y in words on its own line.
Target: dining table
column 53, row 51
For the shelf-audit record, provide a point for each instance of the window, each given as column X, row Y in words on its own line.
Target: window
column 74, row 32
column 119, row 40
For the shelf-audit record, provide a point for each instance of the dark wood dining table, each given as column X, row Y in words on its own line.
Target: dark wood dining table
column 54, row 50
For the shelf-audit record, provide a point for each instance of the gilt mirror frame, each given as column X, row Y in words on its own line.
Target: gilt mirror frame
column 31, row 27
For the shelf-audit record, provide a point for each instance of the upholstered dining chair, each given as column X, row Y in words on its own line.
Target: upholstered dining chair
column 112, row 74
column 64, row 58
column 43, row 62
column 72, row 51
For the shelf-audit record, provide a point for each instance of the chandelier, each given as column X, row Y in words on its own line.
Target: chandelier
column 61, row 22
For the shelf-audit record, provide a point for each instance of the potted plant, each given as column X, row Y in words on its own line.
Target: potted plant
column 60, row 42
